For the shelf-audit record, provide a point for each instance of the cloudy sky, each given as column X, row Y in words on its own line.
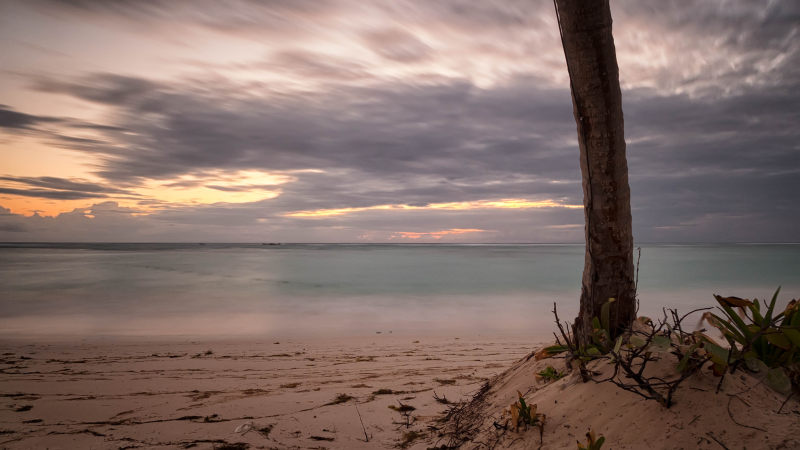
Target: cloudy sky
column 373, row 121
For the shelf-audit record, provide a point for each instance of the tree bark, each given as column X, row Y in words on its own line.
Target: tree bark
column 597, row 105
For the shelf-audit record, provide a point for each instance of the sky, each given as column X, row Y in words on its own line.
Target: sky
column 372, row 121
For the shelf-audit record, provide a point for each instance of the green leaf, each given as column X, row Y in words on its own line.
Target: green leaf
column 556, row 348
column 792, row 335
column 741, row 327
column 593, row 351
column 777, row 380
column 661, row 342
column 768, row 315
column 637, row 342
column 718, row 354
column 618, row 345
column 599, row 443
column 755, row 365
column 778, row 339
column 605, row 314
column 726, row 327
column 755, row 308
column 685, row 360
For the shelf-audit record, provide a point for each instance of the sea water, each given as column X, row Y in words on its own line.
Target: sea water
column 157, row 290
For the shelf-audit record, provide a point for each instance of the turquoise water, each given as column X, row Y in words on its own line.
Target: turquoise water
column 303, row 289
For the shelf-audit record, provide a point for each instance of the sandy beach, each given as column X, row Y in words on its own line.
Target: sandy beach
column 350, row 393
column 277, row 393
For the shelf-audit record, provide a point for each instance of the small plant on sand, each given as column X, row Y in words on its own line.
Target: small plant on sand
column 758, row 340
column 549, row 374
column 524, row 414
column 405, row 412
column 762, row 341
column 592, row 442
column 630, row 353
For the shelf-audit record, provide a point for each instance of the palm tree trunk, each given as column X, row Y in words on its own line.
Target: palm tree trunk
column 597, row 105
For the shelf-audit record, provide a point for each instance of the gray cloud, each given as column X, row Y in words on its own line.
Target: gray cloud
column 416, row 144
column 57, row 183
column 13, row 119
column 48, row 193
column 398, row 45
column 713, row 149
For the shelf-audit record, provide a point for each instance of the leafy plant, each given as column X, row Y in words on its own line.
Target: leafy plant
column 549, row 374
column 578, row 353
column 548, row 352
column 758, row 338
column 524, row 414
column 763, row 341
column 592, row 443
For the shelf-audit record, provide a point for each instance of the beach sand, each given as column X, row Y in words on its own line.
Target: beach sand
column 317, row 393
column 277, row 393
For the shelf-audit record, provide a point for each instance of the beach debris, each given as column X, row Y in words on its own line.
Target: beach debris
column 340, row 398
column 405, row 412
column 409, row 437
column 266, row 430
column 366, row 436
column 443, row 399
column 384, row 391
column 232, row 446
column 321, row 438
column 244, row 428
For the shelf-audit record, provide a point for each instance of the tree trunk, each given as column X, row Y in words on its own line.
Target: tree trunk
column 597, row 105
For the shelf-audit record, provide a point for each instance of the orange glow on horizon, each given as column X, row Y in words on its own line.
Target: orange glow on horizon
column 206, row 188
column 508, row 203
column 435, row 234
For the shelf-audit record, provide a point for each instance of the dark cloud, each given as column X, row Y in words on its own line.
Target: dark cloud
column 52, row 194
column 107, row 88
column 59, row 188
column 397, row 129
column 13, row 119
column 65, row 184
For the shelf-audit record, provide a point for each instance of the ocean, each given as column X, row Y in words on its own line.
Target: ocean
column 221, row 290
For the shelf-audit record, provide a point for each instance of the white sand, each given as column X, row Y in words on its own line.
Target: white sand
column 174, row 395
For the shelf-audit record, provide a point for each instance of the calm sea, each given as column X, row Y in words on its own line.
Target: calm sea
column 339, row 289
